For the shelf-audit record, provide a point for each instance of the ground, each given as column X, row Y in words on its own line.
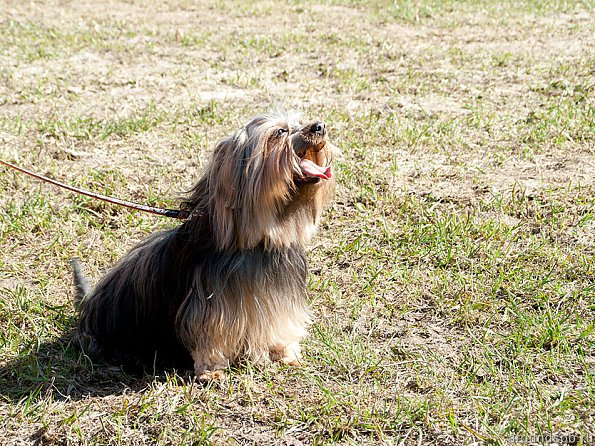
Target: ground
column 452, row 280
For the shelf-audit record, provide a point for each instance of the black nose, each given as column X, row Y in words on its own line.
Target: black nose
column 318, row 128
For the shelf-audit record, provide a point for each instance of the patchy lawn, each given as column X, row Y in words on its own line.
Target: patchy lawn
column 452, row 281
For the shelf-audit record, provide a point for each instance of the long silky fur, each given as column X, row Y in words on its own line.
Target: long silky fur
column 230, row 281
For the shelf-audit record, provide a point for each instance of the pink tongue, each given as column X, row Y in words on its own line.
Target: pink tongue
column 311, row 169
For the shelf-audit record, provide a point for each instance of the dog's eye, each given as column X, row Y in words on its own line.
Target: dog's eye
column 280, row 132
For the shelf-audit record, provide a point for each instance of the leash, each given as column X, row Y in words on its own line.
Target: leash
column 173, row 213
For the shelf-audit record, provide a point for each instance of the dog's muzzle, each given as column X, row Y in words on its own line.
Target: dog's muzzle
column 309, row 140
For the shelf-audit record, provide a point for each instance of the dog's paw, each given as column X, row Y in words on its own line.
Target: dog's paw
column 210, row 375
column 291, row 361
column 209, row 368
column 289, row 355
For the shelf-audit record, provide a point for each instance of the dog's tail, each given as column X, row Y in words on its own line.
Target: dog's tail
column 83, row 287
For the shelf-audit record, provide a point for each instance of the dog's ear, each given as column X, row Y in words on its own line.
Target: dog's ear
column 225, row 187
column 249, row 177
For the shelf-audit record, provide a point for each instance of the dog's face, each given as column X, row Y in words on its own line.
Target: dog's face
column 269, row 181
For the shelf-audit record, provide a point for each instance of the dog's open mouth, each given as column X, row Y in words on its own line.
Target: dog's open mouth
column 313, row 152
column 312, row 170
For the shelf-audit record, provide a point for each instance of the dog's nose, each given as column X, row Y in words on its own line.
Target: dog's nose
column 317, row 128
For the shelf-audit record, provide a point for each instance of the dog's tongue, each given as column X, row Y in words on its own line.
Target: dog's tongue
column 312, row 169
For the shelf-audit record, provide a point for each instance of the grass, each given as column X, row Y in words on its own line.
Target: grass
column 452, row 280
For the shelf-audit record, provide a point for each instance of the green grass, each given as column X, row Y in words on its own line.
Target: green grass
column 452, row 281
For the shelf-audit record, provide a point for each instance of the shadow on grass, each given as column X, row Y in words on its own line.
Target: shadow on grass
column 59, row 369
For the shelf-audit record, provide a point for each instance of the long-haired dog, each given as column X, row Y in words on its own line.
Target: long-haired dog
column 230, row 282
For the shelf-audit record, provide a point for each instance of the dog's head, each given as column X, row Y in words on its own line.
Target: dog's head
column 267, row 183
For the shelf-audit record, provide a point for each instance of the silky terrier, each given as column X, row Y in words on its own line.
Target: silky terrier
column 230, row 281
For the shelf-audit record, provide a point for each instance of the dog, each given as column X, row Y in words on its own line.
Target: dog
column 230, row 282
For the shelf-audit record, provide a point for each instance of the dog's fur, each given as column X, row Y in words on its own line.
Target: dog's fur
column 229, row 282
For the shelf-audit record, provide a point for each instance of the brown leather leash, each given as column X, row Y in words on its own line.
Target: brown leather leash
column 173, row 213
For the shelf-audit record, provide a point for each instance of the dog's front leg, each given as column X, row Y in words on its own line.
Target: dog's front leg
column 209, row 365
column 289, row 354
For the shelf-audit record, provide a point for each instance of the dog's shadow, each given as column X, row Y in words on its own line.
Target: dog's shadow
column 59, row 369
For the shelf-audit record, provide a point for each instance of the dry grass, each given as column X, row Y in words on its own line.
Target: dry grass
column 453, row 281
